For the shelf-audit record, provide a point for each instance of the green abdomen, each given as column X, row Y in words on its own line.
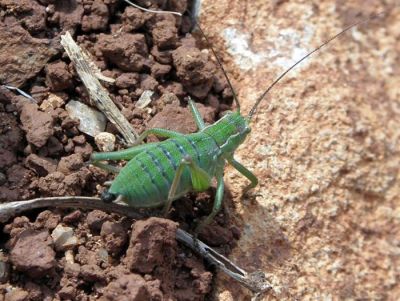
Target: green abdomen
column 146, row 180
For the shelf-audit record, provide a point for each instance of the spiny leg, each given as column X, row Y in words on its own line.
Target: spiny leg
column 131, row 152
column 174, row 186
column 196, row 115
column 219, row 195
column 125, row 154
column 244, row 171
column 200, row 180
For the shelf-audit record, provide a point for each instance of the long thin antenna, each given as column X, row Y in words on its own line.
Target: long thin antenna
column 153, row 11
column 205, row 37
column 260, row 98
column 220, row 65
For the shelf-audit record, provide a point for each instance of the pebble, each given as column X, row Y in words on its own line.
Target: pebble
column 144, row 99
column 91, row 121
column 64, row 238
column 105, row 141
column 52, row 102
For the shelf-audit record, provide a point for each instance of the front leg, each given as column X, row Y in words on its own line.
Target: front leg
column 244, row 171
column 219, row 195
column 200, row 180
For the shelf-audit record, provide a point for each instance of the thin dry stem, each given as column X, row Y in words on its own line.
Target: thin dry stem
column 253, row 281
column 97, row 93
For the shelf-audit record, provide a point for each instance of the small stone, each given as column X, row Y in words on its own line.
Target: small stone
column 92, row 273
column 67, row 293
column 72, row 269
column 114, row 236
column 64, row 238
column 69, row 256
column 70, row 164
column 41, row 166
column 47, row 219
column 73, row 217
column 103, row 255
column 79, row 140
column 153, row 244
column 95, row 219
column 38, row 125
column 127, row 287
column 36, row 264
column 52, row 102
column 91, row 121
column 105, row 141
column 58, row 77
column 144, row 99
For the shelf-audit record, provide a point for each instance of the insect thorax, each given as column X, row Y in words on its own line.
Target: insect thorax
column 229, row 132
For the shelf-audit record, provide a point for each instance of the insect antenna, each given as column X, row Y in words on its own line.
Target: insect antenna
column 207, row 43
column 262, row 96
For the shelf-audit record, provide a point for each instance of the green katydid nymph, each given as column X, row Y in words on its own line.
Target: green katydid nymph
column 159, row 173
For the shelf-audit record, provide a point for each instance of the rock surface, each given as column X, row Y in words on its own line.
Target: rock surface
column 324, row 221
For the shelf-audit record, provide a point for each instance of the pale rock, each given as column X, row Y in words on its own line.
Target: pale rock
column 105, row 141
column 64, row 238
column 51, row 102
column 92, row 122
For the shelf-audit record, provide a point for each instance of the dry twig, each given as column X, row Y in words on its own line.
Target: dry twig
column 89, row 75
column 256, row 281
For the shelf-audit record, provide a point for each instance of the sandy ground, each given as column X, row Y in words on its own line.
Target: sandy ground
column 324, row 223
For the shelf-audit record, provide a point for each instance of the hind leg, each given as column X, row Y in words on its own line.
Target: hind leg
column 200, row 180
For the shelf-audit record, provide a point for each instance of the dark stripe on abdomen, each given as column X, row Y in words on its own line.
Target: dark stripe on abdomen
column 193, row 145
column 159, row 166
column 169, row 157
column 148, row 173
column 179, row 147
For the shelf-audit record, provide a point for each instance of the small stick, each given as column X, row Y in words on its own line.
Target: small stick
column 256, row 281
column 98, row 94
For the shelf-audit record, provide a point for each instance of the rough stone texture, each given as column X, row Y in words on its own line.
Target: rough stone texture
column 29, row 55
column 37, row 125
column 33, row 253
column 127, row 287
column 324, row 222
column 152, row 243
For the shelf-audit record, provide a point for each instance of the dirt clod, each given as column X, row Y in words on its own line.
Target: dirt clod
column 29, row 54
column 41, row 166
column 38, row 125
column 95, row 220
column 70, row 164
column 126, row 50
column 128, row 287
column 194, row 70
column 98, row 17
column 152, row 244
column 33, row 253
column 114, row 236
column 58, row 77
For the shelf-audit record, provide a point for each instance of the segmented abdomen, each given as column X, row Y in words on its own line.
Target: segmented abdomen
column 146, row 180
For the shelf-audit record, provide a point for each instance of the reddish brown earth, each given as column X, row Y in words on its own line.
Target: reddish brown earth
column 42, row 152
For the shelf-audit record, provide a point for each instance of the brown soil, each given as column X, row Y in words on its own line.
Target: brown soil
column 42, row 152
